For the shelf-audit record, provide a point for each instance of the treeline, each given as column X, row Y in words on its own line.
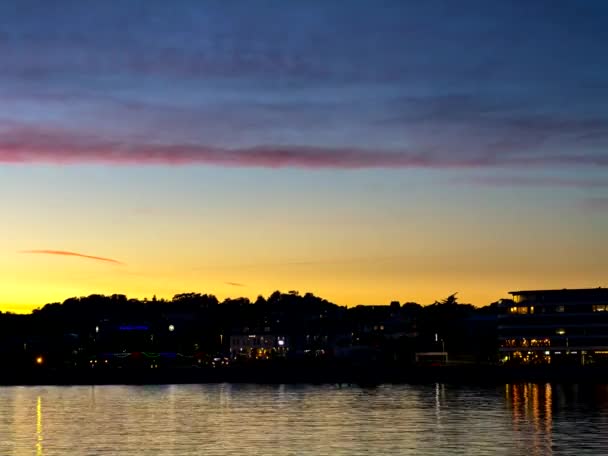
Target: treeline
column 201, row 322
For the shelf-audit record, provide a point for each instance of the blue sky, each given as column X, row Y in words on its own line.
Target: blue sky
column 143, row 114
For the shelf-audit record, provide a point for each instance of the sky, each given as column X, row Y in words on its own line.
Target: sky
column 365, row 151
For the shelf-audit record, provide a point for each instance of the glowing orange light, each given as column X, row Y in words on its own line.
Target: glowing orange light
column 39, row 360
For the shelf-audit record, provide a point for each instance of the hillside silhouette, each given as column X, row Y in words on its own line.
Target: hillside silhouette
column 198, row 329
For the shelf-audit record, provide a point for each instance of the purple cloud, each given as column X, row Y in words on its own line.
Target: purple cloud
column 315, row 86
column 34, row 145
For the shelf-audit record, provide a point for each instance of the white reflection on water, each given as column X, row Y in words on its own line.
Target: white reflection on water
column 435, row 419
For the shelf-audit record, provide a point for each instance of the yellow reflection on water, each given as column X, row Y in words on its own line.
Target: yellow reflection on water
column 548, row 410
column 39, row 451
column 532, row 415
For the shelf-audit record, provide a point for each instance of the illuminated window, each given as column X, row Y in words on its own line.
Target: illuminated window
column 600, row 308
column 519, row 310
column 559, row 309
column 540, row 342
column 509, row 343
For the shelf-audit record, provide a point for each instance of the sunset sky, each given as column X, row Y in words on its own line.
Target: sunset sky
column 366, row 151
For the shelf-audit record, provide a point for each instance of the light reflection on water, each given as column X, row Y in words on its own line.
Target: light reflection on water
column 436, row 419
column 39, row 451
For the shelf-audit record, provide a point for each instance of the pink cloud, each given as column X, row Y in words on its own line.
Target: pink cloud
column 72, row 254
column 23, row 145
column 33, row 145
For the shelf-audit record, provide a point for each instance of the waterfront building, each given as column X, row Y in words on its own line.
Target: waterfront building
column 568, row 326
column 258, row 346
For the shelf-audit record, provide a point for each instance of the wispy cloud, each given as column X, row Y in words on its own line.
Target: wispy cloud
column 235, row 284
column 305, row 263
column 72, row 254
column 349, row 90
column 34, row 145
column 535, row 181
column 597, row 204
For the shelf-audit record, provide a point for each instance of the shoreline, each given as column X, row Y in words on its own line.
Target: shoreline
column 354, row 375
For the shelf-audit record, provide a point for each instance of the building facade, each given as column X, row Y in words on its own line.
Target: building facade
column 258, row 346
column 554, row 327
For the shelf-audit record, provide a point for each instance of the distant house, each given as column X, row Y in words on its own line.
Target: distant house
column 568, row 326
column 258, row 346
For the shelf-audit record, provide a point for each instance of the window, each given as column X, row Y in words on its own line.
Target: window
column 520, row 310
column 546, row 342
column 600, row 308
column 559, row 309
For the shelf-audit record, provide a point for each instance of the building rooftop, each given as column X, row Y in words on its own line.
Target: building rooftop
column 563, row 290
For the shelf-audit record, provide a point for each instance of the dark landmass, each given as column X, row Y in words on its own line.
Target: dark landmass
column 285, row 338
column 351, row 375
column 196, row 330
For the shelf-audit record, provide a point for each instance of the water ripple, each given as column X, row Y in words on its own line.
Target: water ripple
column 437, row 419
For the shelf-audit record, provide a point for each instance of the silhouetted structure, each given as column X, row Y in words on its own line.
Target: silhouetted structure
column 555, row 326
column 196, row 330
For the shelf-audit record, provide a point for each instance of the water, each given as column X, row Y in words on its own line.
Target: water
column 436, row 419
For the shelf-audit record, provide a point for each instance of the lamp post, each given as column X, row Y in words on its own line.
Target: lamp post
column 442, row 346
column 443, row 350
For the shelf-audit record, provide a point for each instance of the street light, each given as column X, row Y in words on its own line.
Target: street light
column 442, row 345
column 442, row 342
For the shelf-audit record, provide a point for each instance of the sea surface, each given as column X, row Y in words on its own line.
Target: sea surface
column 434, row 419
